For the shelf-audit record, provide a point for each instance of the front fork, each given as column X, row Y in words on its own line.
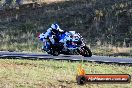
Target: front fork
column 81, row 50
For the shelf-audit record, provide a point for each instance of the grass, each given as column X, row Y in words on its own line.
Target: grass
column 18, row 30
column 112, row 51
column 54, row 74
column 72, row 15
column 43, row 1
column 30, row 43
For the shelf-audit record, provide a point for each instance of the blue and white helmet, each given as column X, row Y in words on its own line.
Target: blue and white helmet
column 55, row 26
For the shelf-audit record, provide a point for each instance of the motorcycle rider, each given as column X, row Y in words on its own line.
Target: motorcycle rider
column 54, row 34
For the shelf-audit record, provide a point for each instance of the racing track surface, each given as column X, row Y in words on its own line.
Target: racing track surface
column 103, row 59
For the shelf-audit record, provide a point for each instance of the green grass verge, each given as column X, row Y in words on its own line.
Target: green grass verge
column 54, row 74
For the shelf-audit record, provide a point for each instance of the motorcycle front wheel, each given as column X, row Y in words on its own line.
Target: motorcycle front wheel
column 85, row 51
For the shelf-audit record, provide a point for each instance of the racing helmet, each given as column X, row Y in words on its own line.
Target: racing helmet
column 55, row 26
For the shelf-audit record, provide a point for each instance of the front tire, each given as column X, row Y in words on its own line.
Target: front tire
column 85, row 51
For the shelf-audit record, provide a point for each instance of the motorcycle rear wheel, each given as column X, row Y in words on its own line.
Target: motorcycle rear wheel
column 54, row 52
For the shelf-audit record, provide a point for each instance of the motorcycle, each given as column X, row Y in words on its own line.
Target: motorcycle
column 77, row 47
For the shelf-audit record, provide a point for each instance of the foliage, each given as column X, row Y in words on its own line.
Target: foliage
column 107, row 22
column 54, row 74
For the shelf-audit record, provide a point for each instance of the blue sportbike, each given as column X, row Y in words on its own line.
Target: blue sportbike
column 69, row 43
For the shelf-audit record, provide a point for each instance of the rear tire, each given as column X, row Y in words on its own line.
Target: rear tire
column 55, row 51
column 67, row 52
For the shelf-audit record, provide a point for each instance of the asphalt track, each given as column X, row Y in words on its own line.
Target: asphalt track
column 102, row 59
